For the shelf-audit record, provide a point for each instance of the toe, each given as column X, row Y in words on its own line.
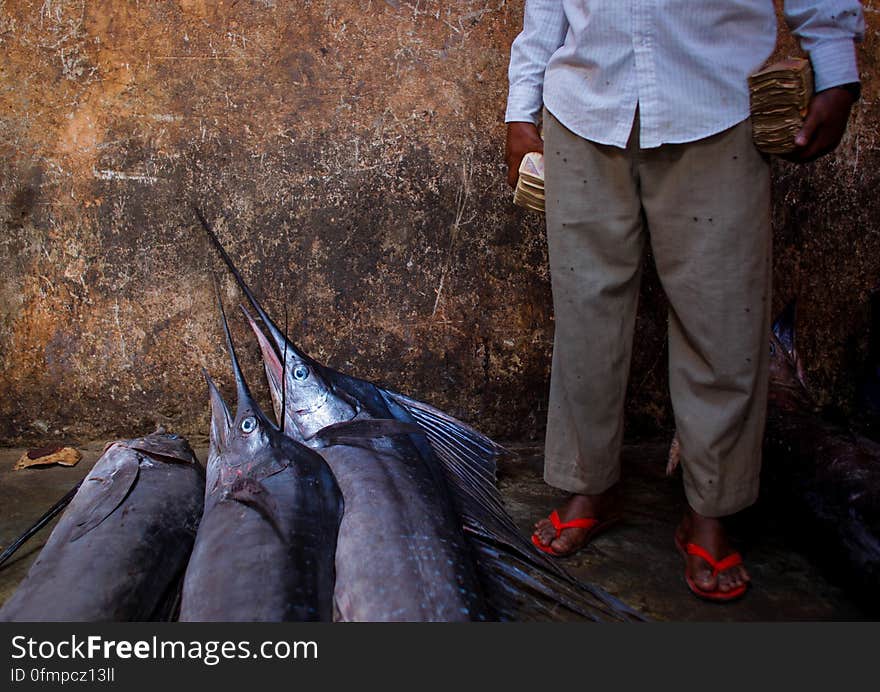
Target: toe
column 560, row 546
column 539, row 537
column 735, row 579
column 738, row 577
column 732, row 579
column 564, row 543
column 704, row 578
column 545, row 534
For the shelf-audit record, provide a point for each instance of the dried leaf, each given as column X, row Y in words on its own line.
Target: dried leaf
column 44, row 456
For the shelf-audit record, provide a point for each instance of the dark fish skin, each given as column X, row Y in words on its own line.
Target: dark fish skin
column 249, row 565
column 400, row 554
column 425, row 535
column 119, row 551
column 399, row 557
column 266, row 545
column 867, row 418
column 821, row 475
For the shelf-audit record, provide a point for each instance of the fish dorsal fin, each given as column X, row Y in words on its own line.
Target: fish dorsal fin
column 508, row 564
column 355, row 432
column 106, row 486
column 163, row 448
column 452, row 440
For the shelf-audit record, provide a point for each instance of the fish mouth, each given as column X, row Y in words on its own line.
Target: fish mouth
column 275, row 372
column 277, row 349
column 283, row 345
column 315, row 408
column 272, row 365
column 221, row 418
column 246, row 405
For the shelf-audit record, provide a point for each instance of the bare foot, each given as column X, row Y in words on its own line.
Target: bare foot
column 709, row 534
column 577, row 507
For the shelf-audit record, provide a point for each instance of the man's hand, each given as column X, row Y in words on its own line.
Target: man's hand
column 824, row 125
column 521, row 139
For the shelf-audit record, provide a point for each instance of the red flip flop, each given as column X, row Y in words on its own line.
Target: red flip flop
column 594, row 526
column 717, row 566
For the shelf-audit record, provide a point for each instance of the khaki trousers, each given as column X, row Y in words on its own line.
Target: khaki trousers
column 705, row 209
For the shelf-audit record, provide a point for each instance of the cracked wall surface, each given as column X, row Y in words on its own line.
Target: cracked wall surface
column 350, row 154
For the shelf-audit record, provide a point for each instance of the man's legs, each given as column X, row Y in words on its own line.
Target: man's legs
column 595, row 238
column 708, row 210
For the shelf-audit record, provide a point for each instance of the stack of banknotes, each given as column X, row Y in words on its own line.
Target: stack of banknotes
column 529, row 191
column 780, row 95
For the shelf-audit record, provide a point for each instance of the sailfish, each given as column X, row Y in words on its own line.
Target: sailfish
column 421, row 503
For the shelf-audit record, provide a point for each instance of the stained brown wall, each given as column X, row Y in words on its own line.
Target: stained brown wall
column 353, row 150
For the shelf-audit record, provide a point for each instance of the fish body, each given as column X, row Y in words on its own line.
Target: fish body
column 266, row 544
column 400, row 553
column 823, row 476
column 264, row 551
column 119, row 551
column 868, row 395
column 425, row 535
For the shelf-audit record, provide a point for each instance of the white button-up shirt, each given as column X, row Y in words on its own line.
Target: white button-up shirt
column 684, row 64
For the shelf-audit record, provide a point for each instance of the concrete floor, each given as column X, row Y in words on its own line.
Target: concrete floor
column 636, row 561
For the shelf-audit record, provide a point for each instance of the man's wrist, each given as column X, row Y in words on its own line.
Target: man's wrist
column 854, row 88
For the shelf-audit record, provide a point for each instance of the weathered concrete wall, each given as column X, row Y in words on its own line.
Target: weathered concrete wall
column 355, row 150
column 827, row 238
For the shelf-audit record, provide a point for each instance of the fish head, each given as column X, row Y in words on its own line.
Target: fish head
column 237, row 442
column 250, row 448
column 788, row 385
column 301, row 396
column 251, row 432
column 244, row 447
column 299, row 392
column 221, row 431
column 164, row 447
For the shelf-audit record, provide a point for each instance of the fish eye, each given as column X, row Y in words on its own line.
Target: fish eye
column 300, row 372
column 249, row 424
column 772, row 349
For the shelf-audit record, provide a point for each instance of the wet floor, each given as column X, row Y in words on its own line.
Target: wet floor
column 635, row 561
